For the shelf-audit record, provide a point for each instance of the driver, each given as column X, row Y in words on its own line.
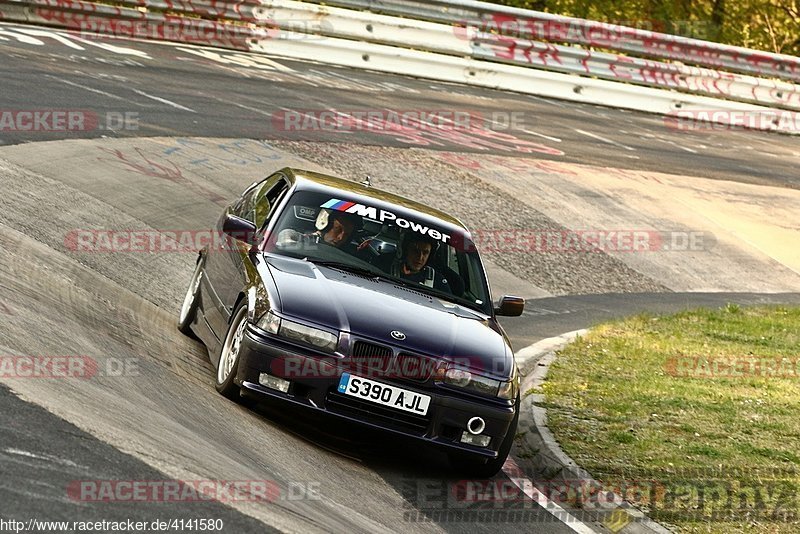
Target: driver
column 334, row 228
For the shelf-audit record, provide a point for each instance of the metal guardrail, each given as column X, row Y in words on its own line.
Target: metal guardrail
column 494, row 47
column 134, row 21
column 527, row 24
column 487, row 59
column 614, row 67
column 291, row 16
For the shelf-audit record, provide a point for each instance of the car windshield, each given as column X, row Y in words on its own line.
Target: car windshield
column 351, row 236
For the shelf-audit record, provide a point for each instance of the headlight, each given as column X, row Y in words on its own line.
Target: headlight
column 457, row 377
column 508, row 390
column 475, row 383
column 307, row 335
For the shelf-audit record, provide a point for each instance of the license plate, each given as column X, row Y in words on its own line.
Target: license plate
column 384, row 394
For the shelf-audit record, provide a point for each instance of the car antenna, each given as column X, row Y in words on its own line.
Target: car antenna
column 367, row 181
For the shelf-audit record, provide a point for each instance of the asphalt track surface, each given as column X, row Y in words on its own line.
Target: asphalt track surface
column 346, row 479
column 236, row 95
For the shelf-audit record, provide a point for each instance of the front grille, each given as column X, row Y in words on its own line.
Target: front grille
column 363, row 349
column 375, row 413
column 369, row 359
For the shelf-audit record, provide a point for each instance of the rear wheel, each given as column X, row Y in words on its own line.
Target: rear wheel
column 478, row 468
column 191, row 301
column 229, row 357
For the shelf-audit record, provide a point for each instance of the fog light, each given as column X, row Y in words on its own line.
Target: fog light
column 472, row 439
column 273, row 382
column 476, row 425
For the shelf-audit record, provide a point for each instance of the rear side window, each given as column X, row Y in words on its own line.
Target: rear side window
column 257, row 202
column 267, row 198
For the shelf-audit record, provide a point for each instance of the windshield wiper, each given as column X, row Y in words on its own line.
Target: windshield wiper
column 342, row 266
column 436, row 293
column 414, row 286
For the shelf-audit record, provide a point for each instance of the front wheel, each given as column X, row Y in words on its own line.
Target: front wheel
column 478, row 468
column 229, row 357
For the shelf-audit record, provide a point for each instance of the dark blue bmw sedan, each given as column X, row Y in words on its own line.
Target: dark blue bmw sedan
column 337, row 297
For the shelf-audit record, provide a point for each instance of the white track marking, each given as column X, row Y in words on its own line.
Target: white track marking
column 654, row 137
column 576, row 108
column 543, row 136
column 86, row 88
column 29, row 36
column 673, row 143
column 517, row 476
column 249, row 108
column 52, row 35
column 236, row 59
column 603, row 139
column 122, row 50
column 263, row 60
column 23, row 38
column 546, row 101
column 163, row 101
column 44, row 457
column 242, row 106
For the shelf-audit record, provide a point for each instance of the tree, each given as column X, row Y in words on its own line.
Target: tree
column 771, row 25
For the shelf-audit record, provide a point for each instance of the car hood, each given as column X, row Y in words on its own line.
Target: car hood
column 373, row 308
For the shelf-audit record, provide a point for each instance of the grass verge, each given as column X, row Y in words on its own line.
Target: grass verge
column 694, row 417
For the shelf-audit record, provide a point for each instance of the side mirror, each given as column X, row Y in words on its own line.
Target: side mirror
column 510, row 306
column 240, row 229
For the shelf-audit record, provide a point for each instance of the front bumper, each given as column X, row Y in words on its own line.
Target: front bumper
column 315, row 378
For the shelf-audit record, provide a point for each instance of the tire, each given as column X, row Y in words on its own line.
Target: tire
column 191, row 302
column 229, row 355
column 469, row 466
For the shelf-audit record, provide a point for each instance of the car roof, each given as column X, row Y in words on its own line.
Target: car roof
column 323, row 183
